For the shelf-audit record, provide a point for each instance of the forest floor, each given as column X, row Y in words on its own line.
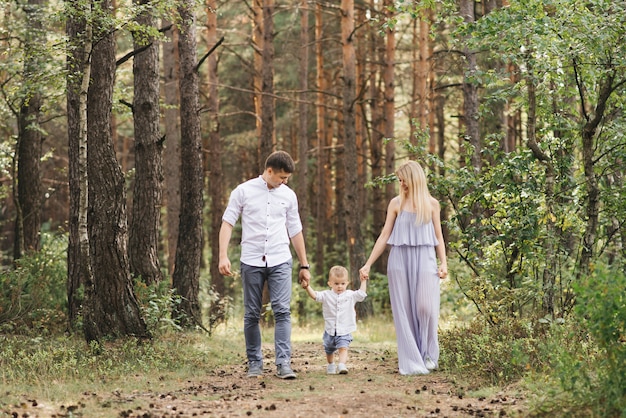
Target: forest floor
column 372, row 388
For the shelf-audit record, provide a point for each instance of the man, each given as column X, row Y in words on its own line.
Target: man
column 269, row 219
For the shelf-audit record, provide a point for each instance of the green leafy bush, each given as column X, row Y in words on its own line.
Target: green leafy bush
column 587, row 351
column 157, row 302
column 496, row 354
column 33, row 294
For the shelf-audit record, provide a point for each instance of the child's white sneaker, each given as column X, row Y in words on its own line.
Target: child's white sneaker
column 331, row 368
column 342, row 369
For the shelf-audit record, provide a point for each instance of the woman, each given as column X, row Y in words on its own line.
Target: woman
column 413, row 230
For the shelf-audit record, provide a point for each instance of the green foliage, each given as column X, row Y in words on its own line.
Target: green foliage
column 587, row 351
column 518, row 222
column 502, row 227
column 498, row 355
column 33, row 294
column 28, row 361
column 220, row 308
column 157, row 302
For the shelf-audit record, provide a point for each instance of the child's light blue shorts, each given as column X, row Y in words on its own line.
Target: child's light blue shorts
column 333, row 342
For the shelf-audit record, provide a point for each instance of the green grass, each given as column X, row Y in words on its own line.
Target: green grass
column 56, row 368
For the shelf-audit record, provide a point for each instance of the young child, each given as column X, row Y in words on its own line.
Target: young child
column 339, row 315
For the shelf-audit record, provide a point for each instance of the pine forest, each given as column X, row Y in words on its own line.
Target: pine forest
column 126, row 125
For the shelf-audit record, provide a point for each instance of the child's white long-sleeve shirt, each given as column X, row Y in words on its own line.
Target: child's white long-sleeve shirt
column 338, row 310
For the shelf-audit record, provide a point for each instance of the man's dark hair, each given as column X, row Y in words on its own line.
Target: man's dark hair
column 280, row 161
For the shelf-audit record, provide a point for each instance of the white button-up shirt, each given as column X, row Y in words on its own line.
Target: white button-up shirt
column 269, row 219
column 338, row 310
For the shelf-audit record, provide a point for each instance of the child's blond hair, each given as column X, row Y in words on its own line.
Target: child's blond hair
column 338, row 271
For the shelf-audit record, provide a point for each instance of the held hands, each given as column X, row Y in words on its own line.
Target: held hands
column 304, row 277
column 364, row 272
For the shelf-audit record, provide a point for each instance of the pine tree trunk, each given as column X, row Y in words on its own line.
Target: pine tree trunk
column 470, row 92
column 303, row 119
column 321, row 151
column 352, row 205
column 171, row 157
column 389, row 110
column 29, row 188
column 377, row 138
column 78, row 67
column 113, row 310
column 186, row 278
column 257, row 80
column 268, row 110
column 216, row 174
column 147, row 192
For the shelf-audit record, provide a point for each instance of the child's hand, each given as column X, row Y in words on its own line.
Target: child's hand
column 364, row 272
column 304, row 283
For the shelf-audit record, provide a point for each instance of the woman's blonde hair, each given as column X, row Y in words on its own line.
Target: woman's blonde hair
column 417, row 194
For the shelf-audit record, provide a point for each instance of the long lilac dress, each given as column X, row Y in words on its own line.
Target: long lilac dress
column 414, row 292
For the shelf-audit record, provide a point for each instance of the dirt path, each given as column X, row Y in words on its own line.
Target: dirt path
column 372, row 388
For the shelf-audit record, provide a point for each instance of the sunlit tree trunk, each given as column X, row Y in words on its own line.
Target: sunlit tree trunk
column 78, row 67
column 216, row 174
column 113, row 310
column 377, row 128
column 320, row 133
column 360, row 111
column 258, row 45
column 147, row 192
column 352, row 205
column 389, row 103
column 268, row 110
column 423, row 116
column 512, row 117
column 303, row 119
column 186, row 277
column 171, row 157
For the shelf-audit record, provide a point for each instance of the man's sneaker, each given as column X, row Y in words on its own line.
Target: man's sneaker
column 331, row 368
column 430, row 365
column 342, row 369
column 283, row 371
column 255, row 369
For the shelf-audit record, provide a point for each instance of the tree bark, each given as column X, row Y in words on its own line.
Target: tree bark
column 377, row 161
column 352, row 205
column 303, row 119
column 78, row 68
column 257, row 81
column 389, row 104
column 171, row 158
column 29, row 188
column 321, row 149
column 147, row 191
column 113, row 309
column 592, row 204
column 549, row 272
column 186, row 278
column 268, row 110
column 361, row 104
column 217, row 313
column 470, row 92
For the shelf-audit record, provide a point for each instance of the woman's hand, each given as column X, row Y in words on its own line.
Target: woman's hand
column 364, row 272
column 443, row 271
